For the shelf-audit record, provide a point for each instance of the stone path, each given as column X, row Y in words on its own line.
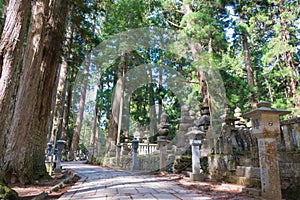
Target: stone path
column 104, row 183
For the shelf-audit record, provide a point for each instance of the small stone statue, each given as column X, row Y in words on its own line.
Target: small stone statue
column 163, row 127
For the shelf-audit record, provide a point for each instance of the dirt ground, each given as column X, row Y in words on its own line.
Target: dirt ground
column 30, row 191
column 212, row 189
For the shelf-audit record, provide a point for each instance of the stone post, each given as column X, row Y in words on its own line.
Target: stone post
column 49, row 158
column 60, row 147
column 196, row 136
column 163, row 130
column 288, row 140
column 266, row 127
column 162, row 145
column 297, row 132
column 196, row 175
column 118, row 154
column 135, row 146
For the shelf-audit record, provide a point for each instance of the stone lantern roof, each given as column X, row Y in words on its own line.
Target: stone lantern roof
column 265, row 107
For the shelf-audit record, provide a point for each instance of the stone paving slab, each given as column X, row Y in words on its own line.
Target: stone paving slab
column 103, row 183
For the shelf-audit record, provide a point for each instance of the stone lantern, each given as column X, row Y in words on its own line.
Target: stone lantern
column 135, row 146
column 60, row 146
column 204, row 120
column 49, row 148
column 266, row 127
column 49, row 157
column 196, row 137
column 162, row 141
column 118, row 153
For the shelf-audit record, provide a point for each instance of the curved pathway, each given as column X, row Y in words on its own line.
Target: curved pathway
column 99, row 183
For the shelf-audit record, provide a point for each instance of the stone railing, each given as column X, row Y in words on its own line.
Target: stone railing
column 145, row 148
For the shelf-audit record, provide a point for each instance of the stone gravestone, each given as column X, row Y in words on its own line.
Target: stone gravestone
column 186, row 121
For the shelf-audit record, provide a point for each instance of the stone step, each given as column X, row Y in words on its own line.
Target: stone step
column 251, row 172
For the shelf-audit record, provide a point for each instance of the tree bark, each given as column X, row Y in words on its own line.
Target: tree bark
column 94, row 136
column 249, row 68
column 152, row 111
column 79, row 119
column 12, row 40
column 25, row 160
column 57, row 126
column 19, row 138
column 289, row 61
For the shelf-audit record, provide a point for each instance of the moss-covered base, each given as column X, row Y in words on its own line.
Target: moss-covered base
column 7, row 193
column 181, row 163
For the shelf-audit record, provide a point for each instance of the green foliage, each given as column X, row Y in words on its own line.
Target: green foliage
column 270, row 33
column 7, row 193
column 2, row 17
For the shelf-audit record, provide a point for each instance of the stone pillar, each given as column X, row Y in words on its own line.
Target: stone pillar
column 163, row 155
column 162, row 141
column 297, row 132
column 266, row 127
column 118, row 154
column 135, row 146
column 196, row 175
column 288, row 140
column 269, row 168
column 49, row 158
column 60, row 147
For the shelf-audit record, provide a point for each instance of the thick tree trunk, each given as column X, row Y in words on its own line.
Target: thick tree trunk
column 249, row 68
column 67, row 113
column 94, row 136
column 11, row 43
column 160, row 96
column 196, row 48
column 57, row 126
column 153, row 118
column 56, row 132
column 289, row 61
column 17, row 165
column 79, row 119
column 33, row 107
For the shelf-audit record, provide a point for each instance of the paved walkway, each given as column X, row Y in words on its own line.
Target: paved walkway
column 103, row 183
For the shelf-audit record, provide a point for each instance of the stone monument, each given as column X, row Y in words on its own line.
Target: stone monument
column 186, row 121
column 266, row 127
column 135, row 146
column 163, row 130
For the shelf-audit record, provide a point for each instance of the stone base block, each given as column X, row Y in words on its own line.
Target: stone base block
column 197, row 177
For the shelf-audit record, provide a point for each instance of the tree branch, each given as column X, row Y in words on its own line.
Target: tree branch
column 173, row 24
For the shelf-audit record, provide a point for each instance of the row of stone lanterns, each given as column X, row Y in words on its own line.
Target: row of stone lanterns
column 265, row 127
column 51, row 152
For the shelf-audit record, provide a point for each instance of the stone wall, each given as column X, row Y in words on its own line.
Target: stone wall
column 146, row 163
column 239, row 160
